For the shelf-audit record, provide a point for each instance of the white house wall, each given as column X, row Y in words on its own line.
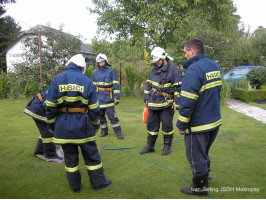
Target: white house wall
column 13, row 55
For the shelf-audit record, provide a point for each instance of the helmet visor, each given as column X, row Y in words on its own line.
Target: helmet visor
column 154, row 59
column 100, row 59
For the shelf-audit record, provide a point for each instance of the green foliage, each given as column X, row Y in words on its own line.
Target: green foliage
column 9, row 33
column 156, row 22
column 257, row 77
column 3, row 84
column 120, row 51
column 248, row 50
column 225, row 92
column 89, row 71
column 249, row 95
column 56, row 51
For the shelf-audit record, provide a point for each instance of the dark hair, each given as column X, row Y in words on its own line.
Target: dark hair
column 195, row 44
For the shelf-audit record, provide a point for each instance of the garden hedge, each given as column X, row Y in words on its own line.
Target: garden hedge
column 249, row 95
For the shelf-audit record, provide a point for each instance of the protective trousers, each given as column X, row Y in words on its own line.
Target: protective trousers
column 110, row 112
column 197, row 151
column 156, row 116
column 92, row 161
column 45, row 143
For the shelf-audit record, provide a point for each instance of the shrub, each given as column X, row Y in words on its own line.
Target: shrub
column 257, row 77
column 3, row 84
column 249, row 95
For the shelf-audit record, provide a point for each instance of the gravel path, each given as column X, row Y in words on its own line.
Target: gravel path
column 249, row 110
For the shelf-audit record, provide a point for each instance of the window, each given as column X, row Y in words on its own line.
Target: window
column 240, row 71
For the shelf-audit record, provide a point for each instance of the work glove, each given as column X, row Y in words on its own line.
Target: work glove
column 116, row 101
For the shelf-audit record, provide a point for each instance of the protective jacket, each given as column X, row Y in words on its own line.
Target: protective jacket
column 200, row 96
column 107, row 87
column 36, row 107
column 68, row 90
column 163, row 87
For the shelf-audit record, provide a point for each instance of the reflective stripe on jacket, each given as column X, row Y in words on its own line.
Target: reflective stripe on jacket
column 107, row 86
column 36, row 107
column 200, row 96
column 162, row 80
column 75, row 90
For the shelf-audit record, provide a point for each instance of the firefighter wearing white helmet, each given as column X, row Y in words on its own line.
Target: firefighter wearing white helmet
column 78, row 60
column 161, row 96
column 108, row 95
column 73, row 115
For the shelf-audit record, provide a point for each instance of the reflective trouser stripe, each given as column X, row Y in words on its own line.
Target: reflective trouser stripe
column 168, row 133
column 153, row 133
column 71, row 169
column 94, row 167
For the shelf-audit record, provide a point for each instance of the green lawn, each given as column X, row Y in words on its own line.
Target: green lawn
column 238, row 160
column 263, row 106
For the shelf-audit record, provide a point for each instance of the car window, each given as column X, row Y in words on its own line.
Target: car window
column 241, row 71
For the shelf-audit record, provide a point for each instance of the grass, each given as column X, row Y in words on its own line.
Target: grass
column 263, row 106
column 237, row 155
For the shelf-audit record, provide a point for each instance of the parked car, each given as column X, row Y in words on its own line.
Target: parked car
column 238, row 72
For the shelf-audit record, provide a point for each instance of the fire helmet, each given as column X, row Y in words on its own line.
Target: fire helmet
column 78, row 60
column 102, row 57
column 159, row 53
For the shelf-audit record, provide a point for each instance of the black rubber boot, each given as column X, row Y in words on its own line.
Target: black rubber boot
column 39, row 148
column 151, row 139
column 106, row 184
column 97, row 179
column 167, row 144
column 74, row 180
column 117, row 130
column 49, row 149
column 199, row 186
column 104, row 132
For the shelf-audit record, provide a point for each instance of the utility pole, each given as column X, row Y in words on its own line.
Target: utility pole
column 40, row 55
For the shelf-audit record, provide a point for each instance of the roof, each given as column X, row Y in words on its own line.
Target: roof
column 84, row 48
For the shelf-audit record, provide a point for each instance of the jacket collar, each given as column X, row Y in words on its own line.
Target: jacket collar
column 103, row 68
column 74, row 67
column 193, row 59
column 163, row 68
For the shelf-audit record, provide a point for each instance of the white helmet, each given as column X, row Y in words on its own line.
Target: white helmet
column 159, row 53
column 102, row 57
column 78, row 60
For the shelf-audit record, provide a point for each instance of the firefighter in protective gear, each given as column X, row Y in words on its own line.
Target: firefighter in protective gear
column 73, row 115
column 199, row 114
column 108, row 95
column 161, row 96
column 45, row 148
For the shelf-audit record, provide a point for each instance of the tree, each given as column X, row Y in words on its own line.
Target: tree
column 56, row 51
column 9, row 31
column 155, row 22
column 250, row 50
column 2, row 7
column 8, row 34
